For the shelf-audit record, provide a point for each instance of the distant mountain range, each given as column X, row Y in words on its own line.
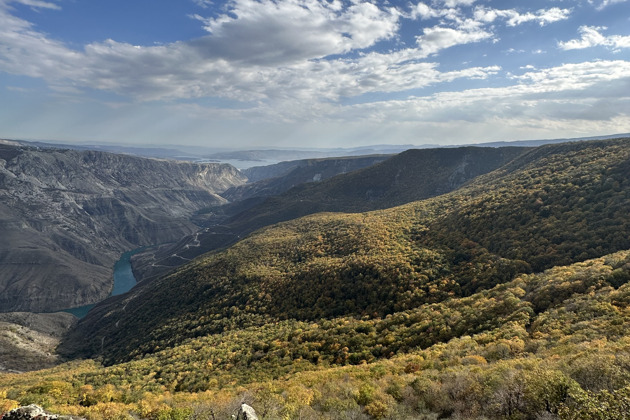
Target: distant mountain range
column 265, row 155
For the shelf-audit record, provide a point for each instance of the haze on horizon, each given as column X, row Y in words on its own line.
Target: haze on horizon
column 313, row 73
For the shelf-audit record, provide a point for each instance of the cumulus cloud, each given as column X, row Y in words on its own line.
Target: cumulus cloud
column 571, row 98
column 259, row 52
column 276, row 32
column 28, row 52
column 458, row 29
column 456, row 3
column 298, row 60
column 453, row 15
column 575, row 77
column 592, row 37
column 203, row 3
column 438, row 38
column 422, row 11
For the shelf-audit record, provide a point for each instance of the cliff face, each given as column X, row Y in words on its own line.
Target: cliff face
column 65, row 217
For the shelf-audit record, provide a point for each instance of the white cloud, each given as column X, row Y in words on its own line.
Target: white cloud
column 605, row 3
column 203, row 3
column 592, row 37
column 27, row 52
column 35, row 4
column 249, row 74
column 577, row 99
column 456, row 3
column 438, row 38
column 514, row 18
column 423, row 11
column 583, row 98
column 574, row 77
column 276, row 32
column 275, row 58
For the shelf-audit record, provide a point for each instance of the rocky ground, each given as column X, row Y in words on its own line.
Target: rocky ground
column 28, row 341
column 34, row 412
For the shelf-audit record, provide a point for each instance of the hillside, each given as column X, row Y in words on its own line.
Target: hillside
column 271, row 180
column 287, row 175
column 409, row 176
column 413, row 175
column 380, row 315
column 284, row 155
column 548, row 345
column 376, row 264
column 28, row 340
column 66, row 216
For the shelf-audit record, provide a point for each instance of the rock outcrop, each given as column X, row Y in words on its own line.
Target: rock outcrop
column 66, row 216
column 34, row 412
column 246, row 413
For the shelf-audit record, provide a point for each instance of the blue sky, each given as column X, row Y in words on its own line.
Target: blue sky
column 313, row 73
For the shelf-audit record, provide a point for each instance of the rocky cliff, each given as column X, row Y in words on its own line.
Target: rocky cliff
column 65, row 217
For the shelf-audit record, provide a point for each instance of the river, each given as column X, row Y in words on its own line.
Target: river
column 123, row 281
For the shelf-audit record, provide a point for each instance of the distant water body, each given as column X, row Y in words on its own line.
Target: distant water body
column 124, row 280
column 242, row 163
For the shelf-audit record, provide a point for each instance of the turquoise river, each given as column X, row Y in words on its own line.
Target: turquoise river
column 123, row 281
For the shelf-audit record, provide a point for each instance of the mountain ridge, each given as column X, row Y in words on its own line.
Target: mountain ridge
column 411, row 175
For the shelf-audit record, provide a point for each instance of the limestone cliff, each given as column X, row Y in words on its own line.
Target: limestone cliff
column 65, row 217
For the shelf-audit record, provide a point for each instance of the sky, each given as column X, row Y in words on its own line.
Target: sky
column 313, row 73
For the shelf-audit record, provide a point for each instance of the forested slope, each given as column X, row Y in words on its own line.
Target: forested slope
column 381, row 315
column 548, row 345
column 409, row 176
column 376, row 264
column 412, row 175
column 296, row 173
